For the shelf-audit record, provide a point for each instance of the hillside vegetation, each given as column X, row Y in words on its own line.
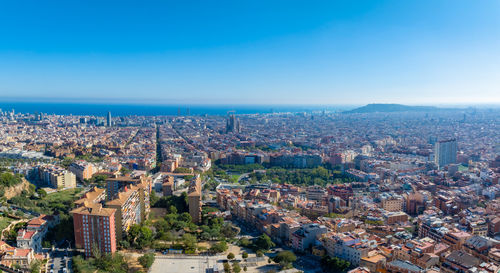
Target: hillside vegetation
column 11, row 184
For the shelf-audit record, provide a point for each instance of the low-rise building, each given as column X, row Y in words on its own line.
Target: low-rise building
column 17, row 256
column 29, row 240
column 459, row 261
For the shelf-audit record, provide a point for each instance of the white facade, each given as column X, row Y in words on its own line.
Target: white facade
column 446, row 152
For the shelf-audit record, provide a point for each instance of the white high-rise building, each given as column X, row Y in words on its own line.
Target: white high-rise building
column 445, row 152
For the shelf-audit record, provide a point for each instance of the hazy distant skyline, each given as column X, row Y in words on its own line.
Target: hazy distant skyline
column 251, row 52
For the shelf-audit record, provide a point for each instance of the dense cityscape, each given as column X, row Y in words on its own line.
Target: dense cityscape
column 322, row 191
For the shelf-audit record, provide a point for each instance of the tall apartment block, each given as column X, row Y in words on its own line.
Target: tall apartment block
column 117, row 184
column 445, row 152
column 132, row 206
column 194, row 199
column 168, row 185
column 94, row 225
column 100, row 223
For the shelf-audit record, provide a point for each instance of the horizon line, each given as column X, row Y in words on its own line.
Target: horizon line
column 167, row 102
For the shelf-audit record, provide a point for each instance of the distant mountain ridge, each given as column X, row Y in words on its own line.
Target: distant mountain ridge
column 392, row 107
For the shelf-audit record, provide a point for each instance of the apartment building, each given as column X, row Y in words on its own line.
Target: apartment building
column 55, row 177
column 32, row 235
column 316, row 193
column 456, row 239
column 459, row 261
column 346, row 246
column 194, row 199
column 391, row 202
column 100, row 223
column 82, row 169
column 391, row 218
column 21, row 257
column 115, row 185
column 478, row 227
column 168, row 186
column 129, row 210
column 305, row 237
column 29, row 239
column 63, row 179
column 94, row 228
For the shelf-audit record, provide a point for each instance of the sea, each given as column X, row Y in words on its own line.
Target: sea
column 100, row 109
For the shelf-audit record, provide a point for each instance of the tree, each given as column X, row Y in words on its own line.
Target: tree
column 124, row 244
column 8, row 179
column 228, row 231
column 227, row 267
column 125, row 171
column 41, row 193
column 245, row 268
column 334, row 264
column 285, row 258
column 111, row 263
column 140, row 236
column 244, row 242
column 185, row 217
column 188, row 177
column 264, row 242
column 161, row 226
column 153, row 198
column 147, row 260
column 172, row 209
column 169, row 236
column 99, row 179
column 236, row 267
column 244, row 255
column 182, row 170
column 189, row 242
column 19, row 213
column 35, row 266
column 219, row 247
column 230, row 256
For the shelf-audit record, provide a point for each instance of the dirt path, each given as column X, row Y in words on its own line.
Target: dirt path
column 12, row 225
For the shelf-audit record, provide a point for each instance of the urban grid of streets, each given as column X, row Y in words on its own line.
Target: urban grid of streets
column 373, row 189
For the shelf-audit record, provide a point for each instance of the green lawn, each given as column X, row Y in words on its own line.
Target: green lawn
column 64, row 195
column 235, row 177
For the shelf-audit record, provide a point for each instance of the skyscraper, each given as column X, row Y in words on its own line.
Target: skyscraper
column 108, row 121
column 445, row 152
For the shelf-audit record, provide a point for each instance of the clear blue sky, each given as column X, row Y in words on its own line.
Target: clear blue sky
column 252, row 52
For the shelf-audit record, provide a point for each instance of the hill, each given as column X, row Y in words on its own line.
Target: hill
column 386, row 108
column 12, row 184
column 16, row 190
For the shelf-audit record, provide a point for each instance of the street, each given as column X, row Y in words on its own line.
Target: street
column 60, row 259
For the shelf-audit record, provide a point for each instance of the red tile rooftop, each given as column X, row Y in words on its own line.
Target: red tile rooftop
column 18, row 252
column 36, row 222
column 28, row 235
